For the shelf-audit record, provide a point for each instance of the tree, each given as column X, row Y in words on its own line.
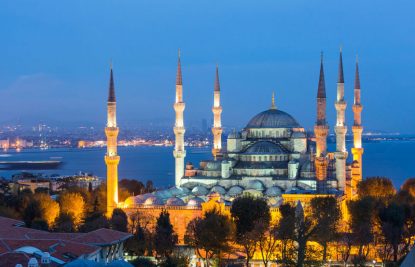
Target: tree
column 119, row 220
column 49, row 209
column 252, row 218
column 326, row 213
column 137, row 245
column 267, row 244
column 65, row 223
column 133, row 187
column 392, row 220
column 211, row 234
column 409, row 186
column 304, row 229
column 361, row 224
column 380, row 188
column 95, row 221
column 285, row 231
column 73, row 204
column 164, row 237
column 31, row 212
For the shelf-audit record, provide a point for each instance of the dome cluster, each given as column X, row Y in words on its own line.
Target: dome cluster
column 182, row 196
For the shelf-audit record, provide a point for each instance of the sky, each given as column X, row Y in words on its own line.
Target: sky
column 55, row 58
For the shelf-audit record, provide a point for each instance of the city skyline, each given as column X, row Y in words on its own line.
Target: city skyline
column 62, row 79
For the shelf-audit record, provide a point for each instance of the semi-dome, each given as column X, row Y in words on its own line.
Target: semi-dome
column 178, row 191
column 273, row 191
column 218, row 189
column 256, row 185
column 200, row 190
column 195, row 202
column 235, row 190
column 153, row 200
column 265, row 147
column 175, row 201
column 273, row 118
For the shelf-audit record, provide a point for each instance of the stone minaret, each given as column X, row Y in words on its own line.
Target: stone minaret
column 340, row 129
column 357, row 128
column 321, row 130
column 217, row 124
column 179, row 130
column 111, row 158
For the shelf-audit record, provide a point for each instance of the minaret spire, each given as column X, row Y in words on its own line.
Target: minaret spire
column 340, row 129
column 321, row 130
column 111, row 158
column 179, row 153
column 217, row 120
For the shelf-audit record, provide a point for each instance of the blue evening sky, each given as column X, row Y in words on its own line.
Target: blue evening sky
column 54, row 59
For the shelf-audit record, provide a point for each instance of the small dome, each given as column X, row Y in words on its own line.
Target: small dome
column 273, row 118
column 273, row 191
column 200, row 190
column 153, row 200
column 235, row 190
column 256, row 185
column 195, row 202
column 218, row 189
column 265, row 147
column 137, row 200
column 175, row 201
column 178, row 191
column 163, row 194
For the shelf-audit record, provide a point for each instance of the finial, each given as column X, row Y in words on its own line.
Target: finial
column 321, row 56
column 357, row 59
column 273, row 101
column 178, row 53
column 341, row 76
column 341, row 48
column 111, row 63
column 179, row 70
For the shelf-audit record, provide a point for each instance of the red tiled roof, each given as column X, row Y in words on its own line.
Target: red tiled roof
column 103, row 236
column 10, row 259
column 48, row 235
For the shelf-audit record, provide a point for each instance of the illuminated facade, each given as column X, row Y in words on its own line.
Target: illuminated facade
column 111, row 158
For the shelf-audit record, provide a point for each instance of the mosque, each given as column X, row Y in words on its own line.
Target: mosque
column 271, row 157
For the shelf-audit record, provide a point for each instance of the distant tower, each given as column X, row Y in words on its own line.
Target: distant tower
column 321, row 130
column 340, row 129
column 179, row 153
column 217, row 124
column 111, row 158
column 357, row 129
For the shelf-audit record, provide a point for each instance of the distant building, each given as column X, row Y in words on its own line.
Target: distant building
column 25, row 246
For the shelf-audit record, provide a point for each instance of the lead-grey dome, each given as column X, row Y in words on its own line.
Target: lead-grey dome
column 265, row 147
column 273, row 118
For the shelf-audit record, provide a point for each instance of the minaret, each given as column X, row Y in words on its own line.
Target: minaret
column 357, row 128
column 321, row 130
column 111, row 158
column 217, row 124
column 179, row 153
column 340, row 129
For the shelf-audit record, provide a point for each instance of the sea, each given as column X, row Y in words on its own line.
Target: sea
column 393, row 159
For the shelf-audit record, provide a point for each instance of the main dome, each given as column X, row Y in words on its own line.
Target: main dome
column 273, row 118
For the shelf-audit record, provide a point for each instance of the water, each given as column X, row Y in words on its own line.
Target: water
column 394, row 159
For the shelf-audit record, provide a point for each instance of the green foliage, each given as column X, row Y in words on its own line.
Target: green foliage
column 211, row 234
column 142, row 262
column 175, row 261
column 164, row 237
column 252, row 217
column 31, row 212
column 380, row 188
column 392, row 220
column 65, row 223
column 95, row 221
column 326, row 214
column 119, row 220
column 40, row 224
